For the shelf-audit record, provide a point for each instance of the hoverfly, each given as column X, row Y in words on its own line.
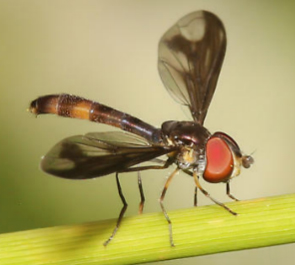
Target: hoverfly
column 190, row 57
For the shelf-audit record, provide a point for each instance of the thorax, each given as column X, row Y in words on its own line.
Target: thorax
column 190, row 138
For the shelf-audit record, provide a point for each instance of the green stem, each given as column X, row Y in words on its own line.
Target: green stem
column 197, row 231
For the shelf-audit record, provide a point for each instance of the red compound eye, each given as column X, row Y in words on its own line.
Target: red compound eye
column 220, row 160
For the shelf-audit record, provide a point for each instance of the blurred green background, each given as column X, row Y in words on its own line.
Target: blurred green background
column 107, row 51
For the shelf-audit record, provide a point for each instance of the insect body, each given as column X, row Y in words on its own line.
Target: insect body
column 190, row 58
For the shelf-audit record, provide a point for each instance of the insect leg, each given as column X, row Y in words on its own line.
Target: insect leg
column 142, row 198
column 122, row 212
column 196, row 197
column 208, row 195
column 162, row 205
column 196, row 188
column 228, row 192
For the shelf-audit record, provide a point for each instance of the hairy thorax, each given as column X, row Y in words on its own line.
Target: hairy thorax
column 190, row 137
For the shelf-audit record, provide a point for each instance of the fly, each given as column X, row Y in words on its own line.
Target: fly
column 190, row 56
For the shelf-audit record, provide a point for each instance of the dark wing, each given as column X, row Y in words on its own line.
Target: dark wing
column 98, row 154
column 190, row 58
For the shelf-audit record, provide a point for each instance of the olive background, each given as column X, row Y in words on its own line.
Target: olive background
column 107, row 51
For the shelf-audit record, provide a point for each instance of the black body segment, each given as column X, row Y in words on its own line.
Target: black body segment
column 77, row 107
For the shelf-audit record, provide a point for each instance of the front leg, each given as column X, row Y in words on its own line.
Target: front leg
column 228, row 192
column 209, row 196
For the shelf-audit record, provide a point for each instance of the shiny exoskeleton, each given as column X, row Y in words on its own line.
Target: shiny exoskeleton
column 191, row 53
